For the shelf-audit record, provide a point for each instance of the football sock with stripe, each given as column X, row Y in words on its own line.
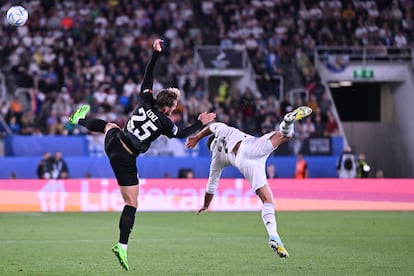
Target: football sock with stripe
column 269, row 219
column 285, row 129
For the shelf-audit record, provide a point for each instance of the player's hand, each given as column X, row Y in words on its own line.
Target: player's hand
column 202, row 210
column 157, row 45
column 191, row 142
column 206, row 118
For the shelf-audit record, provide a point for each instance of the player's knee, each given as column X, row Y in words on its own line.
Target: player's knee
column 131, row 200
column 133, row 203
column 110, row 126
column 265, row 194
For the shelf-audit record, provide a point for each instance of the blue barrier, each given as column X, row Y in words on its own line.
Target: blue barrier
column 159, row 167
column 18, row 145
column 87, row 158
column 86, row 146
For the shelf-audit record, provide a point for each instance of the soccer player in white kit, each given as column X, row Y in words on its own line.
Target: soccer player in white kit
column 232, row 147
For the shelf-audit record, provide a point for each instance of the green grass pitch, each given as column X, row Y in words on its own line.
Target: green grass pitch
column 214, row 243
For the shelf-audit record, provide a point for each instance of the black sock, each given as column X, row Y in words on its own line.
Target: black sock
column 126, row 222
column 96, row 125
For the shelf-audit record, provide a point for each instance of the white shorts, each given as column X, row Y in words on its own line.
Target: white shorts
column 251, row 159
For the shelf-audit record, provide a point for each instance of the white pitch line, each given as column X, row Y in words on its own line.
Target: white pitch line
column 131, row 240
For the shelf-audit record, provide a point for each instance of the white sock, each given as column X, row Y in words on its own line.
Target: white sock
column 123, row 245
column 269, row 220
column 285, row 129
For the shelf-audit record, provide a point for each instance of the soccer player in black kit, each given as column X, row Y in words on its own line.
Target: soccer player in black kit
column 148, row 121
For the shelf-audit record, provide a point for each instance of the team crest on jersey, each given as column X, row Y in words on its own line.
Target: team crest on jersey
column 147, row 90
column 175, row 130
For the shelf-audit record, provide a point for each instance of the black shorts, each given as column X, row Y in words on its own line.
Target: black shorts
column 122, row 162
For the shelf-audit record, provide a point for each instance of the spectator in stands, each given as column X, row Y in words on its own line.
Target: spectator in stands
column 49, row 80
column 325, row 104
column 4, row 108
column 396, row 12
column 295, row 145
column 313, row 102
column 267, row 124
column 400, row 40
column 303, row 12
column 331, row 126
column 15, row 110
column 386, row 37
column 272, row 61
column 55, row 125
column 129, row 87
column 14, row 125
column 346, row 165
column 301, row 168
column 308, row 127
column 28, row 123
column 224, row 94
column 60, row 169
column 271, row 105
column 205, row 105
column 285, row 105
column 318, row 89
column 348, row 13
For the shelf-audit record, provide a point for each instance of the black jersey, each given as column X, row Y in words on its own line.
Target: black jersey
column 147, row 123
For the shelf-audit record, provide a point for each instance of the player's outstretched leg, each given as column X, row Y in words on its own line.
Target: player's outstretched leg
column 286, row 126
column 297, row 114
column 121, row 254
column 79, row 114
column 278, row 247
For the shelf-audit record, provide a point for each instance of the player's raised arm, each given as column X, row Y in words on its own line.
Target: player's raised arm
column 207, row 199
column 157, row 45
column 148, row 81
column 216, row 169
column 203, row 119
column 193, row 140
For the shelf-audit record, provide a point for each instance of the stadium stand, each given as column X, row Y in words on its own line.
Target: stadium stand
column 76, row 52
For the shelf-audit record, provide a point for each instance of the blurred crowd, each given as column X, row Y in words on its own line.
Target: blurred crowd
column 76, row 52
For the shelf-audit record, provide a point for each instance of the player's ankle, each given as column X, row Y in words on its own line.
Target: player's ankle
column 286, row 129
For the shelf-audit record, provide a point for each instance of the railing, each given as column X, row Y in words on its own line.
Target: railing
column 366, row 54
column 212, row 60
column 3, row 89
column 298, row 93
column 5, row 125
column 24, row 96
column 251, row 74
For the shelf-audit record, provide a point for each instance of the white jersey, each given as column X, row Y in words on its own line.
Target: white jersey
column 227, row 135
column 250, row 159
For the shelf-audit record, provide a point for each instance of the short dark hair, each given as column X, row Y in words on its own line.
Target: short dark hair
column 166, row 97
column 209, row 141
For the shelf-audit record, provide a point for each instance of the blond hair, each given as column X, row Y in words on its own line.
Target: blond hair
column 174, row 90
column 166, row 97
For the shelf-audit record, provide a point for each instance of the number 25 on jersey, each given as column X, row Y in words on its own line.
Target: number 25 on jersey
column 141, row 125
